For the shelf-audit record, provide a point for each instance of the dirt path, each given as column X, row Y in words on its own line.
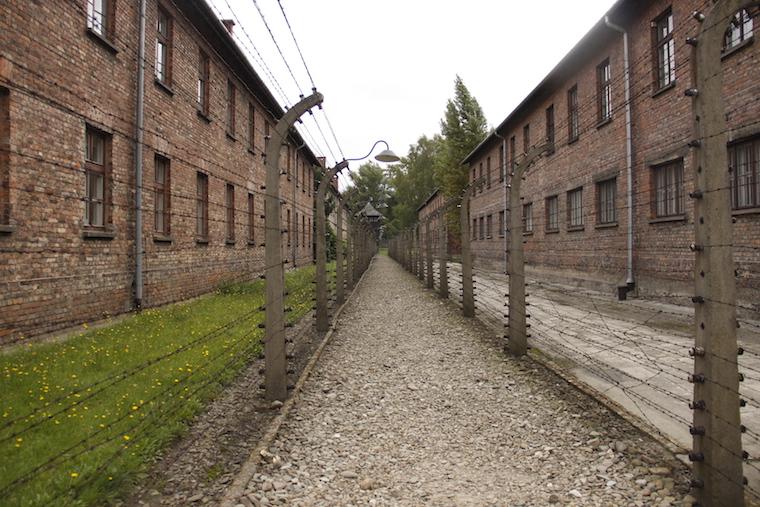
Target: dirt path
column 411, row 404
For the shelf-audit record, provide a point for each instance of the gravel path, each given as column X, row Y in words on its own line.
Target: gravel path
column 412, row 404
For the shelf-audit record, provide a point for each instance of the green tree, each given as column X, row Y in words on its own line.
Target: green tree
column 369, row 183
column 463, row 127
column 413, row 180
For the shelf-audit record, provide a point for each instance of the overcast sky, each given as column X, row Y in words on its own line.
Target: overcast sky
column 387, row 68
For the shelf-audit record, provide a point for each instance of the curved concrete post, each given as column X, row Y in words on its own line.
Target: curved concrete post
column 351, row 245
column 420, row 254
column 428, row 255
column 443, row 272
column 323, row 320
column 339, row 271
column 275, row 376
column 717, row 446
column 468, row 298
column 518, row 336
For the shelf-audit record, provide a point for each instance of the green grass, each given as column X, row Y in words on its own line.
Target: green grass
column 80, row 419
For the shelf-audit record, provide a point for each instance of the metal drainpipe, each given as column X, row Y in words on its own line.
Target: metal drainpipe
column 629, row 148
column 140, row 106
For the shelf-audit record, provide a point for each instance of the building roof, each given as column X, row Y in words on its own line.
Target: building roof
column 200, row 14
column 427, row 201
column 370, row 211
column 599, row 34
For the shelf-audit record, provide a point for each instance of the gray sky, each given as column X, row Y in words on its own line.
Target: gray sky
column 386, row 69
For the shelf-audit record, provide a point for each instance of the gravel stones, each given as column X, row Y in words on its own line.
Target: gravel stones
column 411, row 404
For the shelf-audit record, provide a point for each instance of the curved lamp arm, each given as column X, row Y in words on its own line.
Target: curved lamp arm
column 370, row 151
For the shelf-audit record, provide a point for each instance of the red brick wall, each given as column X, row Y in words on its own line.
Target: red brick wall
column 61, row 79
column 662, row 126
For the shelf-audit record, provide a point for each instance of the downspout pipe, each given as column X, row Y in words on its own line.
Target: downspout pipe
column 629, row 280
column 139, row 119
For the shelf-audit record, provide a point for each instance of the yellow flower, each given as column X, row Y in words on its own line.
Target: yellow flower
column 126, row 437
column 74, row 475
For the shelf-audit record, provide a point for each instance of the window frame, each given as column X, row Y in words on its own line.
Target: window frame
column 201, row 206
column 502, row 227
column 552, row 215
column 550, row 127
column 229, row 204
column 164, row 42
column 526, row 138
column 676, row 196
column 502, row 161
column 527, row 218
column 575, row 217
column 102, row 169
column 489, row 226
column 744, row 18
column 231, row 108
column 251, row 127
column 162, row 194
column 573, row 115
column 752, row 146
column 106, row 22
column 606, row 190
column 482, row 228
column 488, row 171
column 251, row 218
column 663, row 77
column 604, row 91
column 203, row 83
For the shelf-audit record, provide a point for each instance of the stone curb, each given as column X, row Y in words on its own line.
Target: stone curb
column 247, row 471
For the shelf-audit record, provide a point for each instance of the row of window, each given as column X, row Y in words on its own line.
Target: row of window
column 98, row 199
column 668, row 200
column 99, row 16
column 740, row 30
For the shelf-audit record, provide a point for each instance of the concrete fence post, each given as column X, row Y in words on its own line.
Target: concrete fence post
column 517, row 323
column 429, row 255
column 275, row 362
column 339, row 270
column 717, row 446
column 443, row 271
column 323, row 319
column 468, row 297
column 350, row 246
column 420, row 253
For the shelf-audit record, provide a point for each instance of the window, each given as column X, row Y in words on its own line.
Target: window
column 251, row 127
column 203, row 83
column 573, row 122
column 480, row 177
column 474, row 228
column 606, row 197
column 550, row 126
column 739, row 30
column 512, row 152
column 295, row 229
column 99, row 16
column 303, row 229
column 309, row 237
column 97, row 162
column 502, row 158
column 289, row 160
column 287, row 228
column 201, row 205
column 482, row 231
column 664, row 50
column 604, row 91
column 527, row 218
column 575, row 208
column 5, row 139
column 162, row 195
column 488, row 172
column 668, row 189
column 552, row 213
column 164, row 47
column 230, row 108
column 744, row 160
column 526, row 138
column 251, row 218
column 304, row 182
column 489, row 226
column 266, row 137
column 501, row 224
column 229, row 203
column 295, row 168
column 474, row 176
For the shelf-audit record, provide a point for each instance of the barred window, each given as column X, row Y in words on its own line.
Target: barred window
column 163, row 47
column 97, row 177
column 488, row 172
column 664, row 50
column 552, row 213
column 162, row 195
column 526, row 138
column 606, row 192
column 474, row 229
column 201, row 205
column 251, row 218
column 229, row 202
column 502, row 158
column 668, row 189
column 251, row 127
column 739, row 30
column 744, row 161
column 550, row 126
column 527, row 217
column 501, row 224
column 99, row 16
column 573, row 122
column 575, row 207
column 482, row 232
column 604, row 91
column 489, row 226
column 203, row 83
column 231, row 108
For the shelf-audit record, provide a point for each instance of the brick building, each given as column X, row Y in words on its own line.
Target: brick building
column 434, row 210
column 68, row 88
column 575, row 200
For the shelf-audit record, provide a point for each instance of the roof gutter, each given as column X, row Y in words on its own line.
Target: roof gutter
column 629, row 280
